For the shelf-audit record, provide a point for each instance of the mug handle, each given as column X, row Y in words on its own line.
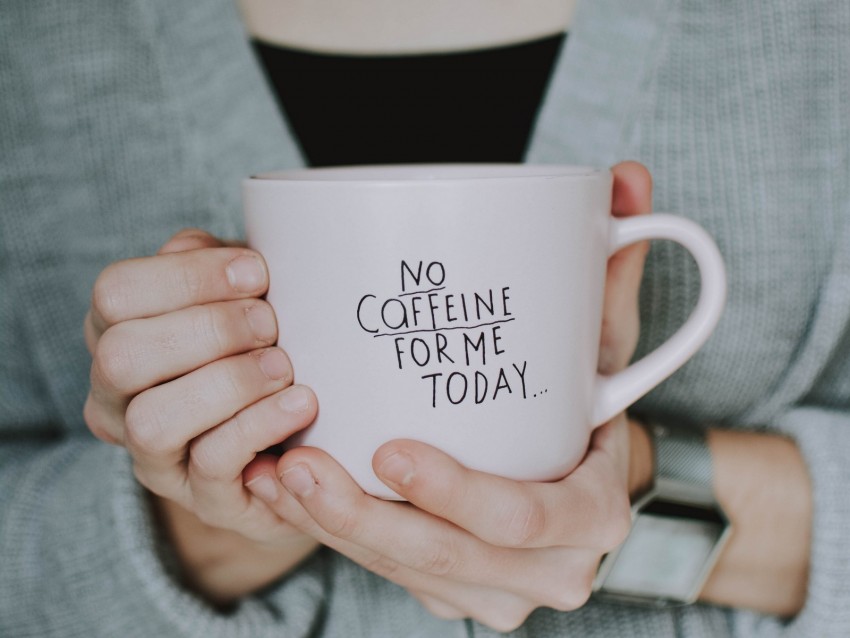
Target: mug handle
column 616, row 392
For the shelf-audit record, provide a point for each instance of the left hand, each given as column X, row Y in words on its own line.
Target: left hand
column 470, row 544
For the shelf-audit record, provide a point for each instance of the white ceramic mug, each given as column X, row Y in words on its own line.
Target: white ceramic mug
column 459, row 305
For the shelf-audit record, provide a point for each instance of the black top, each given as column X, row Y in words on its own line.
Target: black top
column 476, row 106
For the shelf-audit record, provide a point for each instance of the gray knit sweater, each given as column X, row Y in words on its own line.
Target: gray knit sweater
column 121, row 122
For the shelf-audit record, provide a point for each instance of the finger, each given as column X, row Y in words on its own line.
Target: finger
column 240, row 511
column 612, row 439
column 160, row 422
column 222, row 453
column 186, row 239
column 501, row 602
column 262, row 465
column 140, row 353
column 632, row 195
column 339, row 506
column 90, row 333
column 493, row 606
column 259, row 478
column 189, row 239
column 588, row 509
column 150, row 286
column 403, row 535
column 104, row 421
column 219, row 457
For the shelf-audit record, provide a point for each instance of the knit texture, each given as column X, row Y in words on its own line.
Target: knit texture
column 123, row 122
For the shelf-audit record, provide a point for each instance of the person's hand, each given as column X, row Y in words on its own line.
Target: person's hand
column 470, row 544
column 185, row 376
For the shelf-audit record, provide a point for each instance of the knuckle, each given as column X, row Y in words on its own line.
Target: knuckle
column 526, row 521
column 163, row 485
column 190, row 280
column 143, row 427
column 113, row 360
column 98, row 422
column 344, row 524
column 442, row 559
column 224, row 383
column 148, row 480
column 210, row 327
column 109, row 293
column 206, row 459
column 142, row 477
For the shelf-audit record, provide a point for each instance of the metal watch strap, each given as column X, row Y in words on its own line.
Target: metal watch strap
column 682, row 456
column 680, row 506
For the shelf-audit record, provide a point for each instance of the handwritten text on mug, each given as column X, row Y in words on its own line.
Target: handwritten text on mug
column 456, row 333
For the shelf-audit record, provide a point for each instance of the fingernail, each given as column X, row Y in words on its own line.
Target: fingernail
column 262, row 321
column 295, row 399
column 397, row 468
column 246, row 273
column 299, row 480
column 264, row 486
column 274, row 364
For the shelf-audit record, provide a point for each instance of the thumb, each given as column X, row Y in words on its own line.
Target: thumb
column 632, row 195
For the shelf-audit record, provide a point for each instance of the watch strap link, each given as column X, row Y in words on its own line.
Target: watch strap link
column 681, row 454
column 683, row 463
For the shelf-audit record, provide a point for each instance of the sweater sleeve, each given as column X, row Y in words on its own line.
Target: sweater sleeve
column 80, row 556
column 823, row 437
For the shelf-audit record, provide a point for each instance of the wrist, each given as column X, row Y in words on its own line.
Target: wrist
column 641, row 459
column 222, row 565
column 679, row 530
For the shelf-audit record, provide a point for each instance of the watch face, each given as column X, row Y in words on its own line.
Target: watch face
column 666, row 552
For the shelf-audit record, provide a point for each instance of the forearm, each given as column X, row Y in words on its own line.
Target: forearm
column 761, row 482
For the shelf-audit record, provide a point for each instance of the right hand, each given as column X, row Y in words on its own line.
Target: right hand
column 185, row 376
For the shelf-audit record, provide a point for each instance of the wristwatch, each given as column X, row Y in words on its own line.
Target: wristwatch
column 678, row 528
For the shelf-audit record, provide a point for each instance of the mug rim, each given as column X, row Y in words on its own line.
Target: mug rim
column 419, row 173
